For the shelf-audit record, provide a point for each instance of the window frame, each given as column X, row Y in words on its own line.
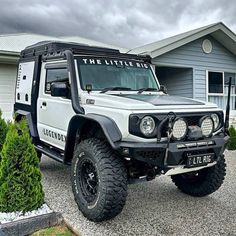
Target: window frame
column 207, row 84
column 53, row 66
column 220, row 95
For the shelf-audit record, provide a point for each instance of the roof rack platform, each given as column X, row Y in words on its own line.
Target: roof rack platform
column 50, row 49
column 57, row 47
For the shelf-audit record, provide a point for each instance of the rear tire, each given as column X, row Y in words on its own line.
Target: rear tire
column 99, row 180
column 202, row 182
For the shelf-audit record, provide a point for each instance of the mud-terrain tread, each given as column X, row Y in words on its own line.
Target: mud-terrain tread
column 213, row 180
column 114, row 179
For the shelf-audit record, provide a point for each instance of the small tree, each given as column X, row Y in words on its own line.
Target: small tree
column 232, row 141
column 3, row 131
column 20, row 176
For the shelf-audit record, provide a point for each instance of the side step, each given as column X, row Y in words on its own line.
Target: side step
column 54, row 154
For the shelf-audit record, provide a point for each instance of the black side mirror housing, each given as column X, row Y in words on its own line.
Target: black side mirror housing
column 60, row 89
column 163, row 89
column 88, row 87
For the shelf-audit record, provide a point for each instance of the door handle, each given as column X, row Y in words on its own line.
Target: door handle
column 44, row 104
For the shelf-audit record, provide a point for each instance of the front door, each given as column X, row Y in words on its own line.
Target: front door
column 53, row 113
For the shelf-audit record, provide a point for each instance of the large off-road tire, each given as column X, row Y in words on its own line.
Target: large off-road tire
column 202, row 182
column 99, row 180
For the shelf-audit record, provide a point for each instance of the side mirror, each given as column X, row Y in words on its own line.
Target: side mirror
column 88, row 87
column 163, row 89
column 60, row 89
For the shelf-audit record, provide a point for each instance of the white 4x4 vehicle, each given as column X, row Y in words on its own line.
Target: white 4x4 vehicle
column 105, row 113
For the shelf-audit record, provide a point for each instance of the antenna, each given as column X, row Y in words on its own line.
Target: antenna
column 226, row 126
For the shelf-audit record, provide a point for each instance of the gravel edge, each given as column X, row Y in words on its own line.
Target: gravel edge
column 71, row 227
column 30, row 225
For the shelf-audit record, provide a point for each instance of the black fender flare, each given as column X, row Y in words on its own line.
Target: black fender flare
column 108, row 126
column 19, row 114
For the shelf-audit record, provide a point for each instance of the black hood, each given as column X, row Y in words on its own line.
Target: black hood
column 161, row 100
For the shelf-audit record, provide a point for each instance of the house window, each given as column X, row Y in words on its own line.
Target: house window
column 218, row 87
column 228, row 75
column 215, row 83
column 233, row 90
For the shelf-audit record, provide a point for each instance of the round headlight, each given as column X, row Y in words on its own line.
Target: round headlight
column 147, row 125
column 207, row 126
column 216, row 121
column 180, row 129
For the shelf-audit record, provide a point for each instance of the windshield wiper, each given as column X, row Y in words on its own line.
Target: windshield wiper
column 115, row 89
column 146, row 89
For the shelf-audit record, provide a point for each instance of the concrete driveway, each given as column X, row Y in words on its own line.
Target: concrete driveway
column 152, row 208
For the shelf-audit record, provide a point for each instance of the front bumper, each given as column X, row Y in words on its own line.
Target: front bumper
column 154, row 153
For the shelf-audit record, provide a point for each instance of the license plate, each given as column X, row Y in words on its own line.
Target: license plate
column 200, row 160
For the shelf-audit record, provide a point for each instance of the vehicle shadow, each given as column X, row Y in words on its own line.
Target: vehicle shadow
column 152, row 208
column 160, row 208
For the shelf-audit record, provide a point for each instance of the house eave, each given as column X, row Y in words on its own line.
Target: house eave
column 9, row 57
column 218, row 31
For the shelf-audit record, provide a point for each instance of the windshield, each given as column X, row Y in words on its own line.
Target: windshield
column 108, row 73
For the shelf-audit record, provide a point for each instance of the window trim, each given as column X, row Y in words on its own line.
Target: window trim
column 207, row 84
column 220, row 95
column 52, row 66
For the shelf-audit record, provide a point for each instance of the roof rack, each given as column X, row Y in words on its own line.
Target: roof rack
column 57, row 47
column 51, row 49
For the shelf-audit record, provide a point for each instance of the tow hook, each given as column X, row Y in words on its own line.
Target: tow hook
column 152, row 173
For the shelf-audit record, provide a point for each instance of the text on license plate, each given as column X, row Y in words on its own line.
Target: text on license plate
column 200, row 160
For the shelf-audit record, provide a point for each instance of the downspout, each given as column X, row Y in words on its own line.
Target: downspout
column 74, row 86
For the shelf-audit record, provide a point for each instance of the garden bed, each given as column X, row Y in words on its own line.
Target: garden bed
column 18, row 223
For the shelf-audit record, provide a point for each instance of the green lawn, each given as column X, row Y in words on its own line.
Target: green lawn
column 54, row 231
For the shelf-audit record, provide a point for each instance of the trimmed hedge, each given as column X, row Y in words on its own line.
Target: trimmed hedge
column 232, row 141
column 20, row 176
column 3, row 131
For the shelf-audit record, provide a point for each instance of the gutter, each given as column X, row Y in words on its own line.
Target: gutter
column 9, row 57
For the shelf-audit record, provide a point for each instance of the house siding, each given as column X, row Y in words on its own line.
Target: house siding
column 177, row 81
column 7, row 89
column 192, row 56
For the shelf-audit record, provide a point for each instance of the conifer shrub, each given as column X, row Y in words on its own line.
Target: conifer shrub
column 3, row 131
column 20, row 176
column 232, row 141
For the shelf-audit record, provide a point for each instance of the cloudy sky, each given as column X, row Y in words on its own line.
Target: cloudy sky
column 127, row 23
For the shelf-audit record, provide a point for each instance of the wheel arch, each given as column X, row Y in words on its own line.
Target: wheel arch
column 79, row 122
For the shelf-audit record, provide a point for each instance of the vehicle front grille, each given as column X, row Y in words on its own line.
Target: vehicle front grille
column 150, row 154
column 192, row 120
